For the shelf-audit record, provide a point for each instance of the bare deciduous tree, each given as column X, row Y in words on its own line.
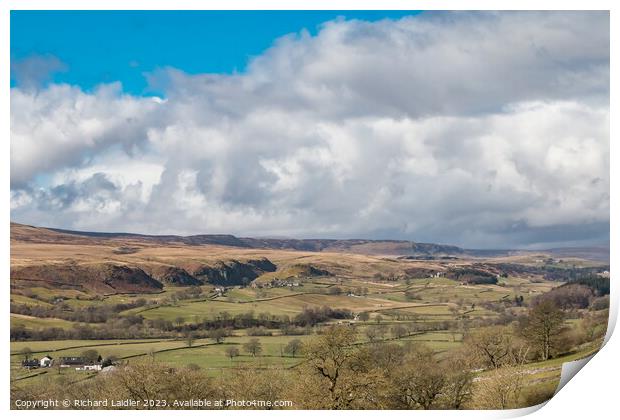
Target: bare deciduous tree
column 543, row 325
column 232, row 352
column 293, row 347
column 253, row 347
column 501, row 389
column 492, row 345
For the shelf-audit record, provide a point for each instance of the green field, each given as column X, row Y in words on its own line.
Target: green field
column 430, row 303
column 34, row 322
column 290, row 303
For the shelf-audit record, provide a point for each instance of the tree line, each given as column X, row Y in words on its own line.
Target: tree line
column 341, row 370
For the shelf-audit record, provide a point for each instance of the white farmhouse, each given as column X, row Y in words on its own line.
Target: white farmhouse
column 46, row 361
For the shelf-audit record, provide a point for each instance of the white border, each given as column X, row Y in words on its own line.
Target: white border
column 310, row 5
column 593, row 394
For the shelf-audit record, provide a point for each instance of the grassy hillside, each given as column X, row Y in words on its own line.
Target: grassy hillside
column 184, row 304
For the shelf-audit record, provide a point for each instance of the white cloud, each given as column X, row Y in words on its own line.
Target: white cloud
column 62, row 126
column 475, row 129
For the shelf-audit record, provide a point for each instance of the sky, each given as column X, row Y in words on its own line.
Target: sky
column 484, row 130
column 109, row 46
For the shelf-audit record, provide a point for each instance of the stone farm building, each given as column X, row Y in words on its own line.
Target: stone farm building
column 71, row 361
column 79, row 363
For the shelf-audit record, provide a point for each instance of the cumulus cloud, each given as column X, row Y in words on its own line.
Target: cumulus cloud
column 62, row 126
column 484, row 129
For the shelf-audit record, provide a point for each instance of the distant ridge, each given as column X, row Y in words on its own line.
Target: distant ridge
column 110, row 263
column 596, row 253
column 355, row 246
column 387, row 246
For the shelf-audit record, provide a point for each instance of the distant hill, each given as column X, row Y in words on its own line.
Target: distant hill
column 595, row 253
column 113, row 263
column 421, row 250
column 355, row 246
